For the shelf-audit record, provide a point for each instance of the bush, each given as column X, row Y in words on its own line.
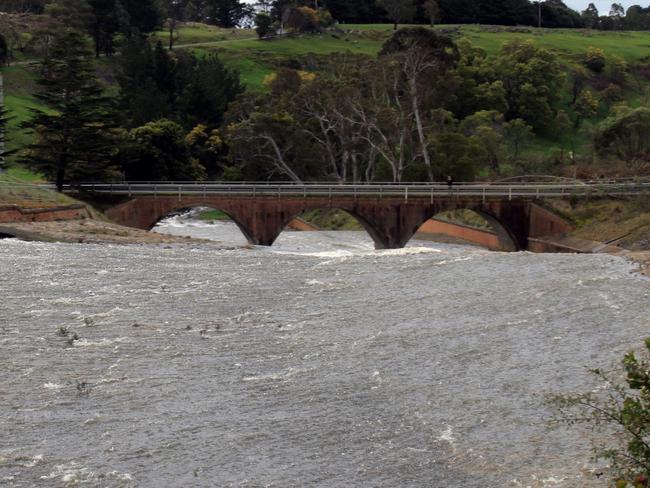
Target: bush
column 625, row 136
column 622, row 406
column 595, row 59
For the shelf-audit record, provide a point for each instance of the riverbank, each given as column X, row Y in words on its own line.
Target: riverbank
column 91, row 231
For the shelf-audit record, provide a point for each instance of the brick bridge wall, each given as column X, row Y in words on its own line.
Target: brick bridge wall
column 390, row 221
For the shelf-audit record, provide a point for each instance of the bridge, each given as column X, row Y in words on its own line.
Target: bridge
column 391, row 214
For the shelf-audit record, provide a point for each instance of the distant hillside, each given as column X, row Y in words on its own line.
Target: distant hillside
column 256, row 59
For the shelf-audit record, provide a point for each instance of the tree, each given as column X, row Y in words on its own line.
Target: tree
column 108, row 18
column 263, row 25
column 432, row 10
column 173, row 17
column 617, row 11
column 209, row 90
column 143, row 16
column 73, row 134
column 454, row 154
column 586, row 107
column 155, row 84
column 562, row 126
column 485, row 129
column 625, row 136
column 302, row 19
column 590, row 16
column 621, row 411
column 4, row 51
column 227, row 13
column 518, row 133
column 399, row 11
column 5, row 118
column 207, row 149
column 422, row 55
column 158, row 151
column 533, row 79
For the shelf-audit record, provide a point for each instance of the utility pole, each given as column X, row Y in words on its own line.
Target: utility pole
column 539, row 14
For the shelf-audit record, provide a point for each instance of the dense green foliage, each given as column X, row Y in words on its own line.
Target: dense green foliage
column 155, row 83
column 157, row 151
column 625, row 136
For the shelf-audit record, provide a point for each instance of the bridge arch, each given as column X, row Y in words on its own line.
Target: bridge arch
column 246, row 232
column 371, row 228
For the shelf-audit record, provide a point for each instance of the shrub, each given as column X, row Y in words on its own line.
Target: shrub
column 625, row 136
column 621, row 408
column 595, row 59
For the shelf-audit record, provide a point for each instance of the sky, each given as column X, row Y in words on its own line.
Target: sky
column 602, row 5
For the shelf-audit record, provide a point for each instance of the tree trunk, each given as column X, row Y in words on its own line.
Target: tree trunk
column 60, row 175
column 424, row 147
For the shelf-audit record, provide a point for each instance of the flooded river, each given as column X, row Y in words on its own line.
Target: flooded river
column 316, row 363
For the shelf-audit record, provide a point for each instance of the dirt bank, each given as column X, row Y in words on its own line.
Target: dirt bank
column 91, row 231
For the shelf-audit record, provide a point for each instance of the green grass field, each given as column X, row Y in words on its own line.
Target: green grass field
column 257, row 58
column 200, row 33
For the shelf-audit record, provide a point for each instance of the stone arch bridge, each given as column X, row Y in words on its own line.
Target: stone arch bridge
column 391, row 214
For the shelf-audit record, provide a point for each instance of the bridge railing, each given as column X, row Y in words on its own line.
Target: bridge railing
column 557, row 182
column 186, row 189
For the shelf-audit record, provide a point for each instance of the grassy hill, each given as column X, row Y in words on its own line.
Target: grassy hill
column 255, row 59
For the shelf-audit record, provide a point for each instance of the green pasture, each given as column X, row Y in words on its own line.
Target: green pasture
column 255, row 58
column 201, row 33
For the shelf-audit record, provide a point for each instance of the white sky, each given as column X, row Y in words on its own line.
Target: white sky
column 579, row 5
column 602, row 5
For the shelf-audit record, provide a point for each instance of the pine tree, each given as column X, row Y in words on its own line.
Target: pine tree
column 4, row 122
column 73, row 133
column 227, row 13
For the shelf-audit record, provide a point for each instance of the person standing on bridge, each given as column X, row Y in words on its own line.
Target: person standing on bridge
column 450, row 182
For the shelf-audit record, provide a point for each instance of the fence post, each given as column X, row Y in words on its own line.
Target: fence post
column 483, row 194
column 510, row 193
column 180, row 193
column 406, row 194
